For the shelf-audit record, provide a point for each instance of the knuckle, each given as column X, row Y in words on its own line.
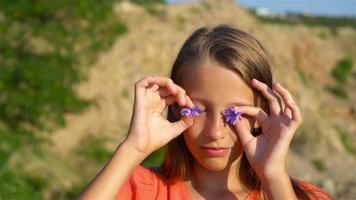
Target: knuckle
column 265, row 87
column 136, row 84
column 147, row 77
column 273, row 100
column 170, row 81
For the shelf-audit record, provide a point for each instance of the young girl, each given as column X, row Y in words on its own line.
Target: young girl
column 228, row 130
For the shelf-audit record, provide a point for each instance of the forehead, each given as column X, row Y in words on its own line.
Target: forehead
column 215, row 84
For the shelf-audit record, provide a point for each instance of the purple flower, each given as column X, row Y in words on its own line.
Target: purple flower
column 232, row 115
column 190, row 111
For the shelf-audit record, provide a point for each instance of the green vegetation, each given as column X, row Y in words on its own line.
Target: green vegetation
column 331, row 22
column 147, row 2
column 319, row 165
column 338, row 91
column 341, row 71
column 43, row 44
column 94, row 148
column 150, row 6
column 302, row 76
column 21, row 185
column 153, row 10
column 346, row 139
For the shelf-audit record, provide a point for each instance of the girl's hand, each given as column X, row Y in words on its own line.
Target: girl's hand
column 149, row 129
column 267, row 152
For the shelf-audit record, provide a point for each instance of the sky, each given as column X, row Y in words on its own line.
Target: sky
column 339, row 8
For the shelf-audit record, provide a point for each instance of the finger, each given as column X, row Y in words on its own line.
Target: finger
column 169, row 100
column 182, row 92
column 163, row 92
column 181, row 95
column 284, row 93
column 255, row 112
column 152, row 88
column 160, row 81
column 179, row 92
column 182, row 125
column 291, row 106
column 288, row 112
column 244, row 134
column 167, row 83
column 190, row 103
column 296, row 116
column 272, row 98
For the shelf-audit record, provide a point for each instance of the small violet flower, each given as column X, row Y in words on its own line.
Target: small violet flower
column 190, row 111
column 232, row 115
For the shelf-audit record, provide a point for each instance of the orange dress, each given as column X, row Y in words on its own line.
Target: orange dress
column 145, row 184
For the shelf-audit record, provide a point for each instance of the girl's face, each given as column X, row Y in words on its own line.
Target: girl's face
column 213, row 142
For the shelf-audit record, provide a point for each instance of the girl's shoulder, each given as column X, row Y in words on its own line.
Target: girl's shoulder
column 148, row 183
column 313, row 191
column 148, row 176
column 304, row 191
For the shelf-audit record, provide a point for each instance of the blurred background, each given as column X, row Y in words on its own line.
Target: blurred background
column 68, row 68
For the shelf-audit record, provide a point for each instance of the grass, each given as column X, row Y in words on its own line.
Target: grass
column 319, row 165
column 302, row 76
column 338, row 91
column 150, row 6
column 43, row 46
column 348, row 142
column 342, row 70
column 94, row 148
column 153, row 10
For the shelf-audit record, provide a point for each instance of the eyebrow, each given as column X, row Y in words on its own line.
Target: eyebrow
column 229, row 104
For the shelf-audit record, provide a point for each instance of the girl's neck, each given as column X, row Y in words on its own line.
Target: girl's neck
column 226, row 180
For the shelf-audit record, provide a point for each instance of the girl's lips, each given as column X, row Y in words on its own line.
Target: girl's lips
column 215, row 151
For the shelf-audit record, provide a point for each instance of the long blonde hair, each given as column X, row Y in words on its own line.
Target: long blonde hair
column 234, row 49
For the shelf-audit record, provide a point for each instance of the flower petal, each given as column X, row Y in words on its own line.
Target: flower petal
column 232, row 116
column 191, row 111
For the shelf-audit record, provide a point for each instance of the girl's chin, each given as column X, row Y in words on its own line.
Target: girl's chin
column 213, row 164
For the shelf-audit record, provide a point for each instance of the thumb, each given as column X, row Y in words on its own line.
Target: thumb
column 243, row 133
column 182, row 125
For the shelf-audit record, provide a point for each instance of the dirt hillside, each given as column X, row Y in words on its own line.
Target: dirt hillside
column 297, row 51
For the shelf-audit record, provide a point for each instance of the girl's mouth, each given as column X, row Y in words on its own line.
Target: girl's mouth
column 215, row 151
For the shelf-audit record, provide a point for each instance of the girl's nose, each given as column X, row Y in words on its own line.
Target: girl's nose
column 215, row 126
